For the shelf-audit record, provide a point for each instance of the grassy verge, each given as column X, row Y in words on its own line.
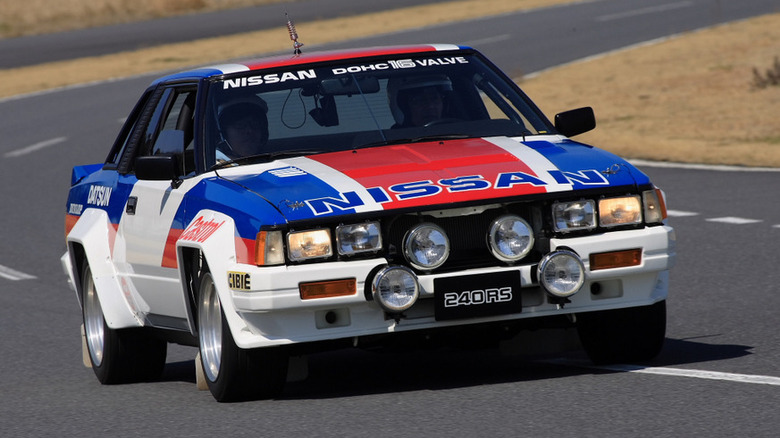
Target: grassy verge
column 692, row 98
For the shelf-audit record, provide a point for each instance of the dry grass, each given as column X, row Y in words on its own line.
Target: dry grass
column 687, row 99
column 45, row 16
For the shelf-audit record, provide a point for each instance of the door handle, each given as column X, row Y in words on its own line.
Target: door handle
column 131, row 203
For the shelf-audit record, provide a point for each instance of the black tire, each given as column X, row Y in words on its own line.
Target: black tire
column 629, row 335
column 233, row 373
column 117, row 356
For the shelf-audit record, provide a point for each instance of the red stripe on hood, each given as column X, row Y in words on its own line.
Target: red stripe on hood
column 391, row 166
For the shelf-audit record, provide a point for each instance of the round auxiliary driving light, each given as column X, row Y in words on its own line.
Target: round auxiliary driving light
column 510, row 238
column 395, row 288
column 561, row 273
column 426, row 246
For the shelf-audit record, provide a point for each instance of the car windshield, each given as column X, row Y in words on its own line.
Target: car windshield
column 362, row 103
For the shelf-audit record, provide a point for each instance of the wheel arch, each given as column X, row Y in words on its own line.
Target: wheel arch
column 89, row 243
column 217, row 253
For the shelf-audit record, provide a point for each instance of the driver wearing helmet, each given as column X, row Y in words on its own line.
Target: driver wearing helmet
column 418, row 100
column 244, row 127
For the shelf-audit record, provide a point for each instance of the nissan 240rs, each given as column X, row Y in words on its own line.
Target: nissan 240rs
column 294, row 204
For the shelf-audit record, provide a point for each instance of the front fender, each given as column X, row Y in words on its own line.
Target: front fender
column 213, row 235
column 94, row 232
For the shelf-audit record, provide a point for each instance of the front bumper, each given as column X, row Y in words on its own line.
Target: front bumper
column 275, row 314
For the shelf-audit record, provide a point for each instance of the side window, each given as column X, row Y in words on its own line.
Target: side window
column 168, row 129
column 123, row 139
column 155, row 123
column 498, row 104
column 175, row 136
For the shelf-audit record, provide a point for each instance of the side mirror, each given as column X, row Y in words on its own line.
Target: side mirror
column 575, row 122
column 170, row 141
column 157, row 168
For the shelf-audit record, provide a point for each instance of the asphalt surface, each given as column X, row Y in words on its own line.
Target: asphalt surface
column 721, row 307
column 38, row 49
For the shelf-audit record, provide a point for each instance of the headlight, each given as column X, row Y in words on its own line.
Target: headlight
column 574, row 216
column 353, row 239
column 510, row 238
column 655, row 206
column 311, row 244
column 561, row 273
column 395, row 288
column 426, row 246
column 620, row 211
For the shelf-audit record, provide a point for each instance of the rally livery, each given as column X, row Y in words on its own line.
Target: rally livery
column 261, row 211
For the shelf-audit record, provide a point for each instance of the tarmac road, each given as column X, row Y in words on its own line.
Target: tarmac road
column 37, row 49
column 718, row 374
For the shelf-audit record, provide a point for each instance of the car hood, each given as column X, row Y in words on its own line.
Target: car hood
column 433, row 175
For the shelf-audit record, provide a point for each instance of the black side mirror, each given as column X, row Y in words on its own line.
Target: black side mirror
column 157, row 168
column 575, row 122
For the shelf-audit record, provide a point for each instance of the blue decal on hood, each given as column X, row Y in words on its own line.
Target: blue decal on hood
column 285, row 187
column 569, row 157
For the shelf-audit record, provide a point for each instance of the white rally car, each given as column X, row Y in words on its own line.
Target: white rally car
column 263, row 210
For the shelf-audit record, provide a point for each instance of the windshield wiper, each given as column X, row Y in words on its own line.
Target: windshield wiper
column 421, row 139
column 265, row 157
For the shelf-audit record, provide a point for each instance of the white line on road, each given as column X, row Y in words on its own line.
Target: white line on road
column 699, row 374
column 12, row 274
column 645, row 11
column 677, row 372
column 680, row 213
column 734, row 220
column 34, row 147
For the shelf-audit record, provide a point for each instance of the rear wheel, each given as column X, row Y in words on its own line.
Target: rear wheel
column 634, row 334
column 233, row 373
column 117, row 356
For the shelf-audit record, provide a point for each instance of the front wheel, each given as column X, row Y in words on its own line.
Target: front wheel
column 635, row 334
column 233, row 373
column 117, row 356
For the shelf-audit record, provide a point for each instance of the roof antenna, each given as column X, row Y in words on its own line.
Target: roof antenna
column 293, row 35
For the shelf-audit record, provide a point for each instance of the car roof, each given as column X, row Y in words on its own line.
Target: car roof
column 305, row 58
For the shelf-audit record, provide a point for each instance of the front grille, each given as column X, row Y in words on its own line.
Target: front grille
column 467, row 234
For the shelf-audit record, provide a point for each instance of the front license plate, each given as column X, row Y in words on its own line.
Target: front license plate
column 471, row 296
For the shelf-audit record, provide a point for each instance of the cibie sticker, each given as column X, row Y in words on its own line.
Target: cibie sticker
column 200, row 230
column 239, row 280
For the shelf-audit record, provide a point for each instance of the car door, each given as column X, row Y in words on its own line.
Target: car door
column 145, row 246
